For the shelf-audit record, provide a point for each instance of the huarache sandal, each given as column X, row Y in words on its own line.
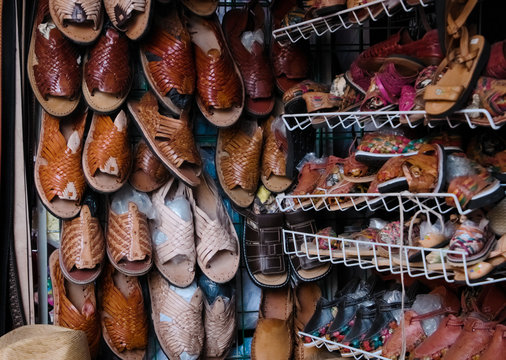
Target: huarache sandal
column 79, row 20
column 107, row 155
column 123, row 315
column 171, row 140
column 54, row 66
column 496, row 66
column 148, row 172
column 497, row 345
column 131, row 17
column 59, row 177
column 167, row 60
column 306, row 296
column 75, row 306
column 489, row 94
column 107, row 72
column 177, row 317
column 293, row 100
column 201, row 7
column 220, row 88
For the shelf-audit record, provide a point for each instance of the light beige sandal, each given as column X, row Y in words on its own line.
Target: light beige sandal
column 131, row 17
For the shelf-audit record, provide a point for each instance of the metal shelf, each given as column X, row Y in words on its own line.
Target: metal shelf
column 380, row 119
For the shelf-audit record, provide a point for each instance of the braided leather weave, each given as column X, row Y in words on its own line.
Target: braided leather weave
column 120, row 11
column 173, row 136
column 180, row 233
column 219, row 326
column 174, row 67
column 69, row 316
column 126, row 320
column 110, row 149
column 63, row 175
column 218, row 85
column 290, row 60
column 108, row 66
column 57, row 71
column 241, row 166
column 128, row 235
column 184, row 333
column 147, row 162
column 82, row 243
column 78, row 11
column 273, row 156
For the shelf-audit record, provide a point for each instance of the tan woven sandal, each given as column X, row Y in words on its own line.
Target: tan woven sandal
column 79, row 20
column 177, row 321
column 123, row 316
column 107, row 155
column 238, row 162
column 128, row 241
column 130, row 16
column 75, row 306
column 82, row 248
column 148, row 173
column 171, row 140
column 201, row 7
column 216, row 239
column 220, row 326
column 59, row 177
column 174, row 257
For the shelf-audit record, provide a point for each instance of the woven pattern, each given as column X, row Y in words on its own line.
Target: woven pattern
column 82, row 243
column 128, row 235
column 290, row 60
column 147, row 162
column 63, row 175
column 78, row 11
column 69, row 316
column 174, row 67
column 110, row 150
column 219, row 324
column 241, row 166
column 108, row 66
column 125, row 319
column 173, row 136
column 120, row 11
column 57, row 72
column 275, row 148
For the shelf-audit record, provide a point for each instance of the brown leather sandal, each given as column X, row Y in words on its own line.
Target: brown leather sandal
column 107, row 72
column 148, row 173
column 201, row 7
column 131, row 16
column 171, row 140
column 59, row 177
column 79, row 20
column 53, row 66
column 107, row 156
column 167, row 60
column 220, row 88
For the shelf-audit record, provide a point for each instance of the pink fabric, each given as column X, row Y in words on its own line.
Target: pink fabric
column 407, row 99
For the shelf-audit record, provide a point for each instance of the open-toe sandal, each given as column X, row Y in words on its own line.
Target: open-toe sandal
column 133, row 18
column 148, row 172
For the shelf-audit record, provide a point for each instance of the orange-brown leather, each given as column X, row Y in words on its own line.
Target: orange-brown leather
column 218, row 84
column 128, row 235
column 78, row 11
column 63, row 166
column 174, row 67
column 274, row 153
column 108, row 142
column 127, row 323
column 174, row 137
column 57, row 72
column 421, row 170
column 241, row 166
column 147, row 162
column 69, row 316
column 108, row 66
column 120, row 11
column 82, row 243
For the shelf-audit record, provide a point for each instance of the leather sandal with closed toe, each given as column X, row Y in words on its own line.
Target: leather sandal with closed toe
column 148, row 172
column 131, row 16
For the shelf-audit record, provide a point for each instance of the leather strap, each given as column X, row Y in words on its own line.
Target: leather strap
column 274, row 152
column 78, row 11
column 454, row 25
column 120, row 11
column 219, row 324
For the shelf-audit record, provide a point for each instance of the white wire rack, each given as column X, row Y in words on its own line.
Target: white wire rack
column 383, row 257
column 393, row 119
column 333, row 22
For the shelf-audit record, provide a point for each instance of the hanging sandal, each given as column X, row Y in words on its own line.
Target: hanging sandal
column 452, row 15
column 131, row 17
column 201, row 7
column 148, row 172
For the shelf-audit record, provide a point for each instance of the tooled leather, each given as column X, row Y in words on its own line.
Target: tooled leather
column 57, row 71
column 218, row 84
column 109, row 143
column 147, row 162
column 78, row 11
column 125, row 319
column 274, row 152
column 241, row 165
column 85, row 319
column 128, row 235
column 82, row 243
column 175, row 68
column 108, row 66
column 63, row 167
column 120, row 11
column 174, row 137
